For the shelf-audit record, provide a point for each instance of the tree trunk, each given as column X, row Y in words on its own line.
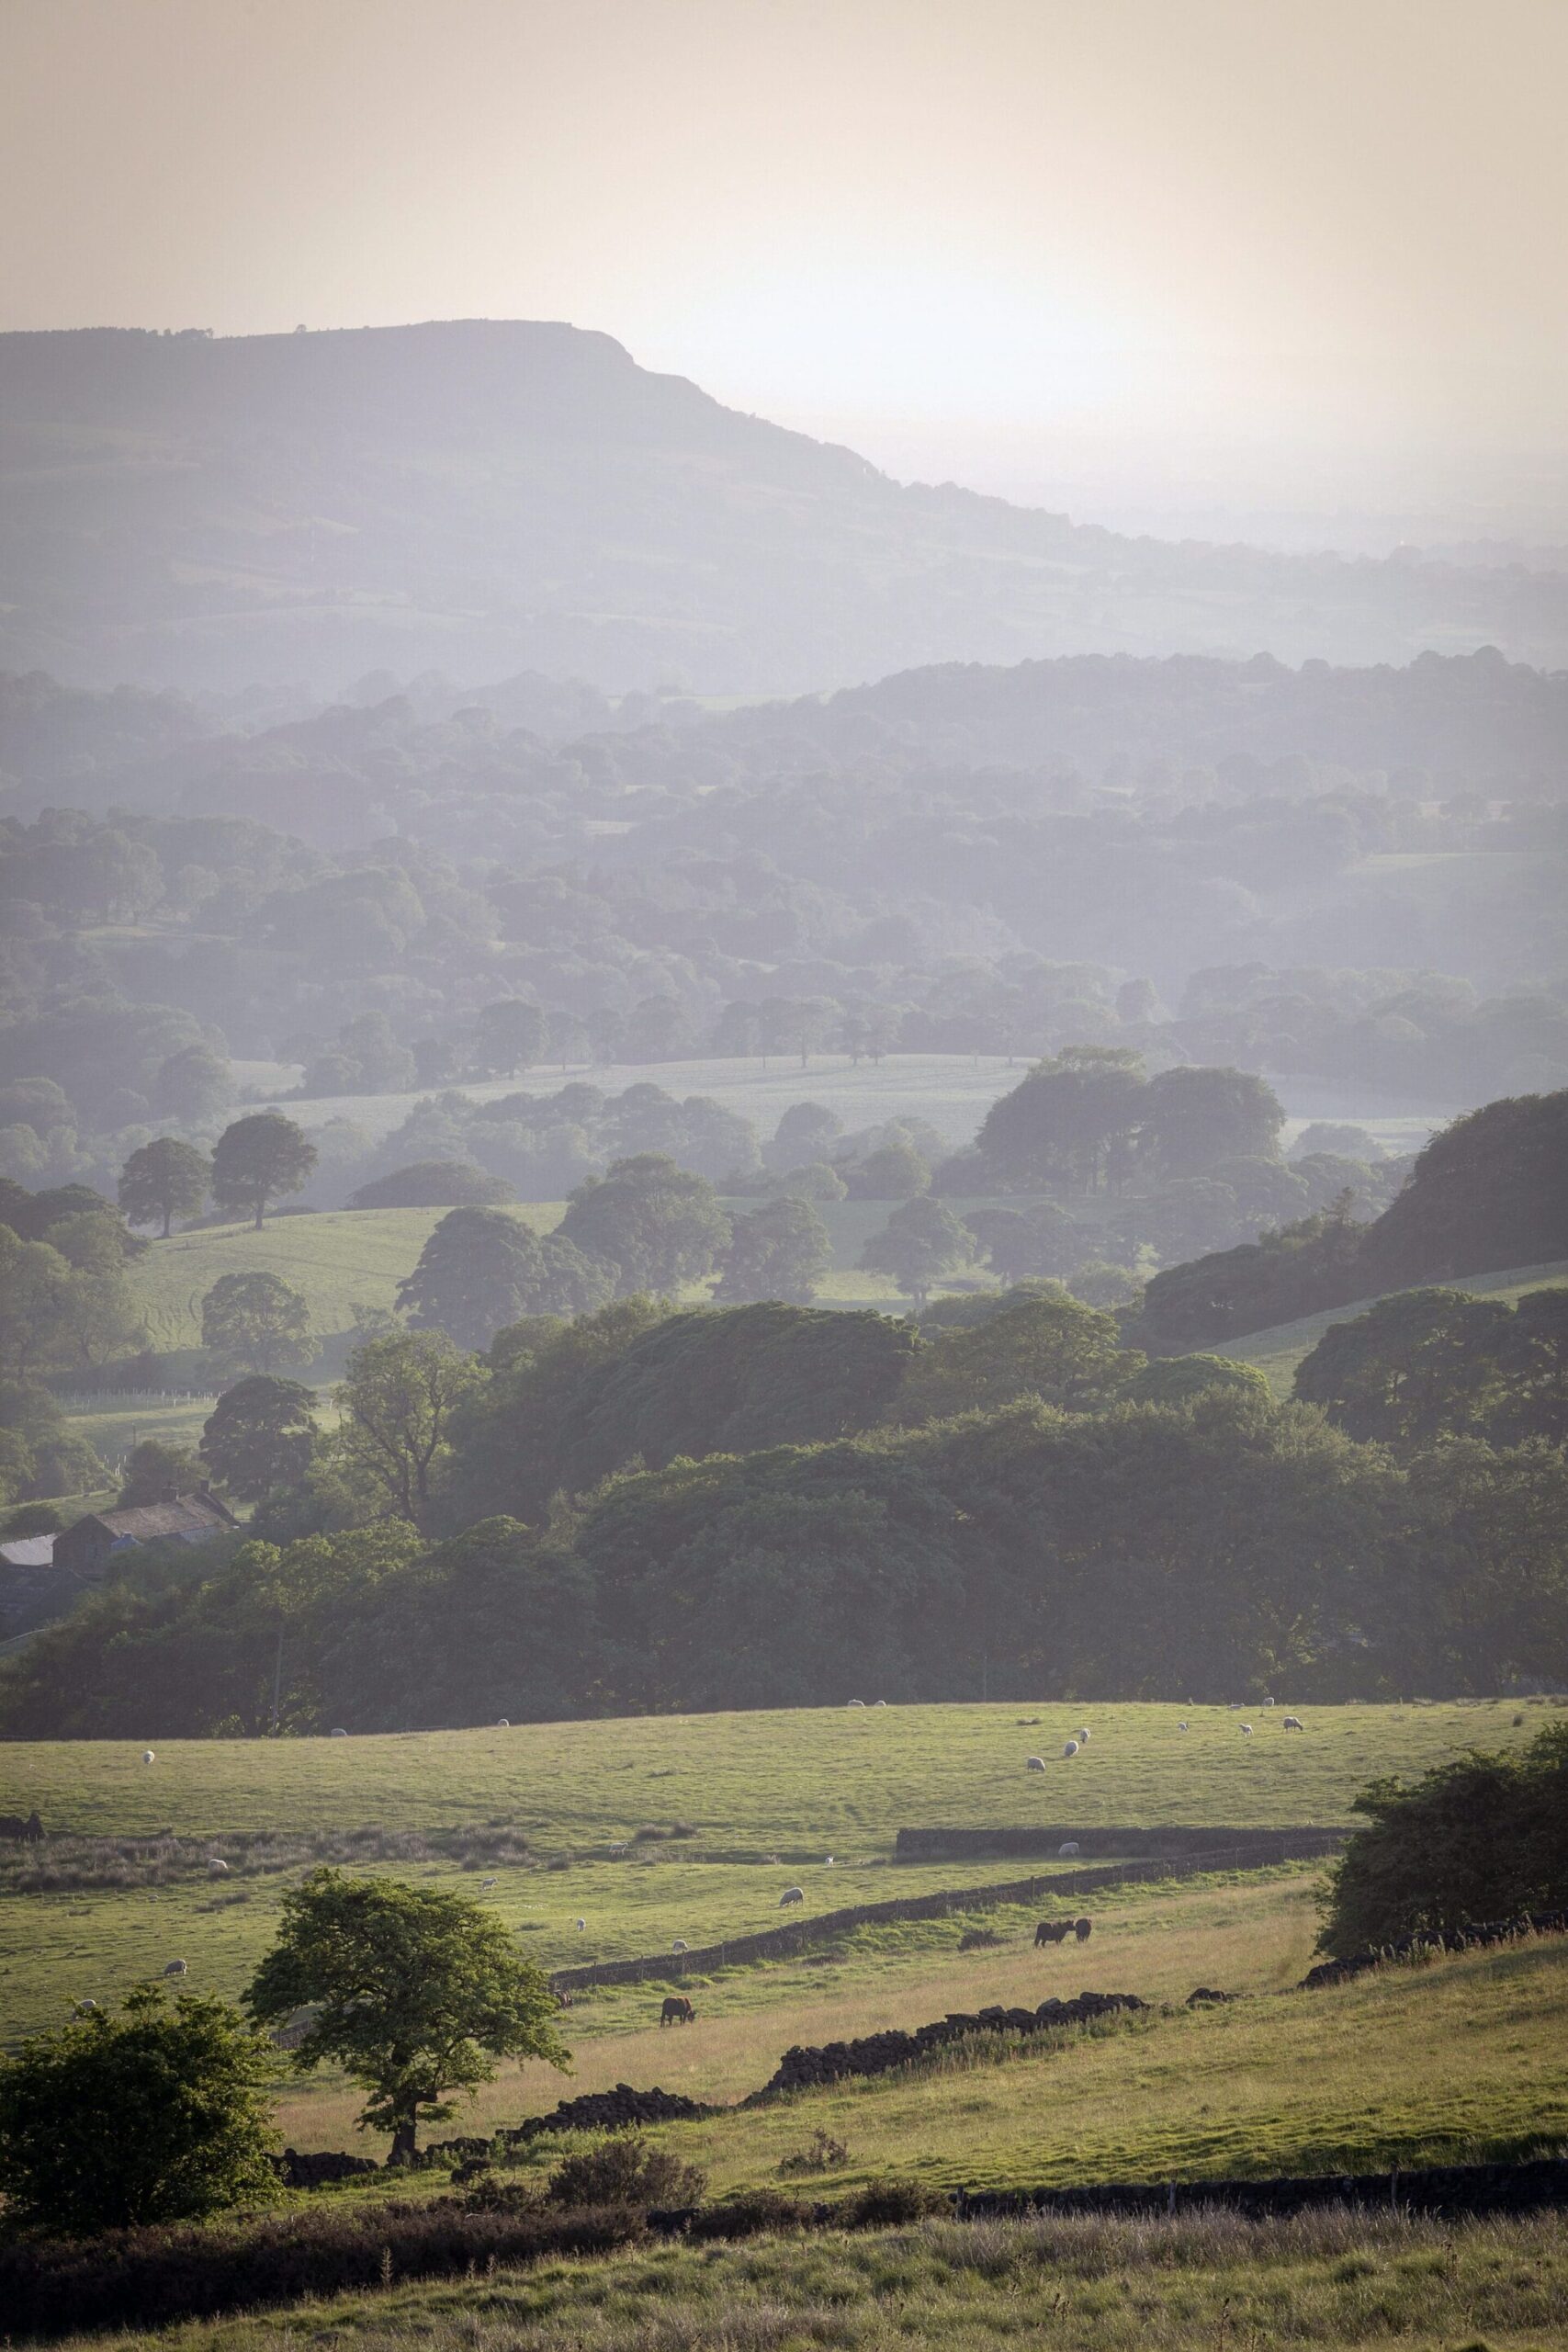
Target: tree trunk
column 260, row 1210
column 168, row 1222
column 402, row 2148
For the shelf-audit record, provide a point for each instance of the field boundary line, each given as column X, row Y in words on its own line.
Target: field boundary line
column 799, row 1935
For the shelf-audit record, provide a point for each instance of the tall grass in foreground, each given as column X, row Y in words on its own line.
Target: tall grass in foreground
column 1330, row 2281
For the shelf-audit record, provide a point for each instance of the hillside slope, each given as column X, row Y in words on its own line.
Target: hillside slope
column 1278, row 1352
column 484, row 496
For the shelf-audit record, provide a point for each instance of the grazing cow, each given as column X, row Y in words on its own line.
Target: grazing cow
column 1071, row 1846
column 23, row 1832
column 677, row 2010
column 1292, row 1723
column 1070, row 1749
column 1083, row 1930
column 175, row 1968
column 791, row 1895
column 1051, row 1931
column 1035, row 1764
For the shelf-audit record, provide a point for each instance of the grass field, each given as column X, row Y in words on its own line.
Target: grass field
column 844, row 1778
column 339, row 1260
column 1338, row 2281
column 1278, row 1350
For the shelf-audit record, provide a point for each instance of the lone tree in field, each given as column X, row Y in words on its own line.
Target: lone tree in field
column 153, row 2115
column 921, row 1242
column 258, row 1160
column 416, row 1993
column 259, row 1435
column 255, row 1322
column 165, row 1178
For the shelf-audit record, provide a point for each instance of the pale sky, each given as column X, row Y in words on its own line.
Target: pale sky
column 1124, row 255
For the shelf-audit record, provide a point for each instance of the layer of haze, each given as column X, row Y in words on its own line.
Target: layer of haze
column 1293, row 267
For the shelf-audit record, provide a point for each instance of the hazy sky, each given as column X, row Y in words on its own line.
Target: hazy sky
column 1274, row 256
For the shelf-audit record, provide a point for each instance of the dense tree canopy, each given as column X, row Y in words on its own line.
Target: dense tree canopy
column 164, row 1180
column 660, row 1226
column 255, row 1322
column 483, row 1268
column 260, row 1160
column 780, row 1250
column 260, row 1435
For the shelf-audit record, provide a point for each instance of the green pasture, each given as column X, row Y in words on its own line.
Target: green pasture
column 787, row 1781
column 1278, row 1350
column 341, row 1260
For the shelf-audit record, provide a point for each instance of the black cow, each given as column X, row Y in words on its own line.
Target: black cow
column 677, row 2010
column 1051, row 1931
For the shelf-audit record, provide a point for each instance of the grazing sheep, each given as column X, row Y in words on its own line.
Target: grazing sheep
column 148, row 1757
column 680, row 1945
column 1181, row 1726
column 563, row 2000
column 791, row 1895
column 677, row 2010
column 581, row 1924
column 1035, row 1764
column 879, row 1702
column 175, row 1968
column 857, row 1703
column 1268, row 1702
column 338, row 1733
column 1292, row 1723
column 1246, row 1731
column 504, row 1722
column 1071, row 1749
column 1083, row 1930
column 1080, row 1735
column 85, row 2003
column 1071, row 1846
column 215, row 1869
column 826, row 1862
column 486, row 1884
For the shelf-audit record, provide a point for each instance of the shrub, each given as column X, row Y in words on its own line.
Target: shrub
column 623, row 2170
column 824, row 2153
column 754, row 2214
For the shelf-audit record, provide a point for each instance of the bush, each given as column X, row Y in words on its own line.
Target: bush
column 1483, row 1838
column 823, row 2155
column 623, row 2170
column 754, row 2214
column 151, row 2115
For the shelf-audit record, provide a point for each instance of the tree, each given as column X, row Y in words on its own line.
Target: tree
column 33, row 1280
column 509, row 1036
column 434, row 1185
column 1532, row 1364
column 893, row 1172
column 781, row 1251
column 660, row 1225
column 260, row 1435
column 395, row 1409
column 255, row 1322
column 1020, row 1243
column 416, row 1993
column 1038, row 1341
column 165, row 1179
column 1071, row 1122
column 194, row 1084
column 260, row 1160
column 1192, row 1118
column 150, row 2114
column 1181, row 1380
column 481, row 1268
column 1418, row 1365
column 155, row 1470
column 921, row 1241
column 1484, row 1837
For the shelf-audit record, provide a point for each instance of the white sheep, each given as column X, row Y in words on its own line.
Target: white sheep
column 1268, row 1702
column 338, row 1733
column 1246, row 1731
column 1292, row 1723
column 486, row 1884
column 1071, row 1846
column 791, row 1895
column 581, row 1925
column 857, row 1703
column 1071, row 1749
column 1035, row 1764
column 1080, row 1735
column 680, row 1945
column 826, row 1862
column 504, row 1722
column 1181, row 1726
column 879, row 1702
column 148, row 1757
column 216, row 1869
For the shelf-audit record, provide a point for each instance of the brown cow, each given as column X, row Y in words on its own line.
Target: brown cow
column 1083, row 1930
column 677, row 2010
column 1051, row 1931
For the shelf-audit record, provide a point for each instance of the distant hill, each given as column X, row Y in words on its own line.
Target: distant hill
column 483, row 497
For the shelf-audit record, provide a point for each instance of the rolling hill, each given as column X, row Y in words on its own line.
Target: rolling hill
column 1278, row 1352
column 484, row 496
